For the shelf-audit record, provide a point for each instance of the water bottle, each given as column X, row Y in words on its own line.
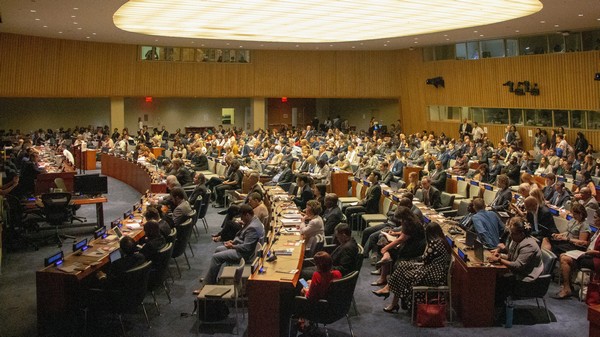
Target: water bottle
column 509, row 314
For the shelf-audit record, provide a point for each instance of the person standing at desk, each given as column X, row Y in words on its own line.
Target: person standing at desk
column 242, row 246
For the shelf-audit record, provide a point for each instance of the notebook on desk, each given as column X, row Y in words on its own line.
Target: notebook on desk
column 218, row 292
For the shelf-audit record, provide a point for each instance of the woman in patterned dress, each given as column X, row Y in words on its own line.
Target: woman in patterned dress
column 432, row 271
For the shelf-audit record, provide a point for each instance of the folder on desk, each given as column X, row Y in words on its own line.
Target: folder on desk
column 291, row 222
column 218, row 292
column 292, row 216
column 287, row 251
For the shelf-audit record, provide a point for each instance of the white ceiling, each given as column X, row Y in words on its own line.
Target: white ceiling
column 92, row 20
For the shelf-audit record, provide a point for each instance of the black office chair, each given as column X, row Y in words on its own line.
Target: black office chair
column 122, row 300
column 331, row 309
column 538, row 288
column 159, row 273
column 57, row 210
column 184, row 232
column 202, row 211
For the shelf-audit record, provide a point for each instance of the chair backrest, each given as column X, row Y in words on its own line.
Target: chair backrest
column 360, row 259
column 419, row 194
column 316, row 246
column 359, row 188
column 548, row 258
column 237, row 276
column 447, row 199
column 184, row 232
column 489, row 196
column 172, row 236
column 60, row 183
column 462, row 188
column 136, row 285
column 474, row 191
column 463, row 208
column 211, row 165
column 292, row 188
column 561, row 224
column 159, row 270
column 387, row 204
column 193, row 215
column 56, row 206
column 339, row 299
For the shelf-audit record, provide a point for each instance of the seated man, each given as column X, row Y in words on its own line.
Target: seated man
column 561, row 195
column 487, row 224
column 182, row 206
column 152, row 214
column 503, row 197
column 332, row 215
column 370, row 204
column 345, row 255
column 259, row 208
column 438, row 176
column 431, row 195
column 243, row 246
column 523, row 258
column 200, row 191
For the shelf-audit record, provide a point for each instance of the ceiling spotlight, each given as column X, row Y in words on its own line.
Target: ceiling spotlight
column 597, row 77
column 436, row 82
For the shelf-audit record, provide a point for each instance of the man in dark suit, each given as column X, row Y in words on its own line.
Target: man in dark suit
column 465, row 129
column 397, row 166
column 561, row 195
column 199, row 160
column 386, row 174
column 549, row 189
column 431, row 195
column 541, row 220
column 370, row 204
column 438, row 176
column 200, row 191
column 332, row 215
column 495, row 168
column 322, row 155
column 303, row 193
column 501, row 202
column 512, row 171
column 344, row 257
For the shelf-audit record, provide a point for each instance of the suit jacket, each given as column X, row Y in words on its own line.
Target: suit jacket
column 438, row 179
column 549, row 192
column 331, row 218
column 200, row 162
column 306, row 195
column 371, row 200
column 246, row 239
column 386, row 178
column 546, row 225
column 287, row 176
column 345, row 256
column 513, row 172
column 181, row 212
column 526, row 260
column 199, row 191
column 465, row 129
column 502, row 201
column 435, row 197
column 559, row 200
column 397, row 168
column 323, row 156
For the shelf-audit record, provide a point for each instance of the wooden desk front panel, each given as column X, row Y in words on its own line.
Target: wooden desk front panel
column 45, row 181
column 89, row 159
column 130, row 173
column 339, row 183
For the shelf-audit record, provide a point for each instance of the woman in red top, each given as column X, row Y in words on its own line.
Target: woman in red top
column 322, row 278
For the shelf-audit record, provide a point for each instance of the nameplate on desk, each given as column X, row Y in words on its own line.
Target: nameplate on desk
column 287, row 251
column 554, row 211
column 462, row 255
column 450, row 241
column 459, row 178
column 488, row 187
column 474, row 183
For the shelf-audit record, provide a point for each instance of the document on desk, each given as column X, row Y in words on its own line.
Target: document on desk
column 574, row 254
column 291, row 222
column 286, row 271
column 292, row 216
column 287, row 251
column 133, row 226
column 75, row 266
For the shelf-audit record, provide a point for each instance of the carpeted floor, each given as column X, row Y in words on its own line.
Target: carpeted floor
column 18, row 299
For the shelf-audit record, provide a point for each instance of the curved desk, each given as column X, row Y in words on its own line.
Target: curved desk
column 131, row 173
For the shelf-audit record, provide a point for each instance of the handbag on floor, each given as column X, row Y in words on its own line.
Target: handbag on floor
column 593, row 292
column 431, row 314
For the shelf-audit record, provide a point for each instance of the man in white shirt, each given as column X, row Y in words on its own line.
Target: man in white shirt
column 478, row 132
column 68, row 155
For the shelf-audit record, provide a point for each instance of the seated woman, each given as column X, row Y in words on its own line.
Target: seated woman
column 409, row 244
column 544, row 168
column 319, row 191
column 318, row 285
column 154, row 241
column 483, row 174
column 303, row 193
column 414, row 183
column 590, row 259
column 577, row 235
column 230, row 225
column 433, row 271
column 313, row 223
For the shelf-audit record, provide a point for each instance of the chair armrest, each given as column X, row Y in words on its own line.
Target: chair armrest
column 450, row 213
column 441, row 209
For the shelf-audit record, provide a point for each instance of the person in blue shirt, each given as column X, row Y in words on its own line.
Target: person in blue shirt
column 487, row 224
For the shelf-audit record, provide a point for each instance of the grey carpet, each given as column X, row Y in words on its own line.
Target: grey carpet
column 18, row 303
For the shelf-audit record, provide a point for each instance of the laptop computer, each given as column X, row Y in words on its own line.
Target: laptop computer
column 478, row 249
column 114, row 255
column 118, row 233
column 470, row 239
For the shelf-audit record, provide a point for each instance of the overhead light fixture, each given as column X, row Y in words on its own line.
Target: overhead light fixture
column 312, row 21
column 436, row 82
column 597, row 77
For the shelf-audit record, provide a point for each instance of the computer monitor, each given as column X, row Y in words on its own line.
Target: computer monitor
column 118, row 232
column 470, row 239
column 116, row 223
column 478, row 249
column 91, row 184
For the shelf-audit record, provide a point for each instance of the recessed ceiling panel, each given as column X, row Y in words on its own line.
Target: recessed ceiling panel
column 315, row 21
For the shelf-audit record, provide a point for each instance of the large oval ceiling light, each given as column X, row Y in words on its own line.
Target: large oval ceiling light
column 312, row 20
